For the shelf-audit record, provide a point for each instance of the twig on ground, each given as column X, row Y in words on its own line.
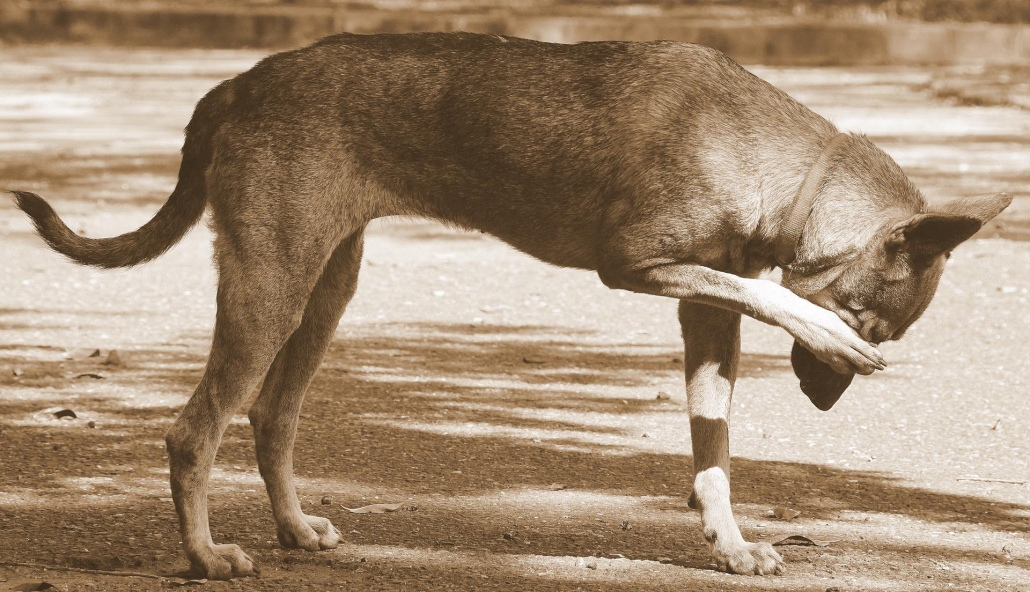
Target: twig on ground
column 102, row 572
column 986, row 480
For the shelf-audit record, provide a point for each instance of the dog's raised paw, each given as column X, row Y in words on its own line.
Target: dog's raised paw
column 818, row 380
column 751, row 559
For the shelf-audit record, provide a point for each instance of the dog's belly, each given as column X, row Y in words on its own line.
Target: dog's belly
column 554, row 244
column 548, row 225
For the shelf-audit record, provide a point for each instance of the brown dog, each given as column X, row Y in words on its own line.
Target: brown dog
column 665, row 167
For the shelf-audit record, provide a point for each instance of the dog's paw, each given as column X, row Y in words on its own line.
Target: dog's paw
column 222, row 562
column 311, row 533
column 750, row 558
column 832, row 341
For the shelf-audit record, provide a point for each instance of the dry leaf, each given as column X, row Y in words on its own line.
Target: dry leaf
column 785, row 514
column 533, row 360
column 113, row 359
column 374, row 509
column 800, row 540
column 663, row 396
column 95, row 354
column 90, row 375
column 557, row 486
column 65, row 413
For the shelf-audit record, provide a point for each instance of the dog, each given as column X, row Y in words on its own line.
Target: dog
column 665, row 167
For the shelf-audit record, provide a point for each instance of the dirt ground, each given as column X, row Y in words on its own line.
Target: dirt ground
column 512, row 408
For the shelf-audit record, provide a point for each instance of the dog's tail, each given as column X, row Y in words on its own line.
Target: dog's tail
column 176, row 217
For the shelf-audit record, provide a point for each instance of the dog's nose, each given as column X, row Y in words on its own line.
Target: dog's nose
column 879, row 333
column 875, row 330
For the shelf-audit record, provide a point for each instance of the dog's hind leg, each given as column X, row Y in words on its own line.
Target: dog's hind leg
column 267, row 271
column 275, row 412
column 711, row 339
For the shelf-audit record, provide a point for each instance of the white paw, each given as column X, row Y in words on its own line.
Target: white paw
column 311, row 533
column 750, row 558
column 222, row 562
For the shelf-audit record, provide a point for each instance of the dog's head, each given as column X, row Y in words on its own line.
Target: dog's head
column 889, row 284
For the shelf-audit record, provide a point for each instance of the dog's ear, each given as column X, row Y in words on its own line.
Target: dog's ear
column 925, row 236
column 981, row 207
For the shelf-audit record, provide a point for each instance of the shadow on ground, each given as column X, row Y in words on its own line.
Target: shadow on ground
column 473, row 426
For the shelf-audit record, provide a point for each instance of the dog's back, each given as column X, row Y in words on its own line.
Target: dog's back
column 487, row 132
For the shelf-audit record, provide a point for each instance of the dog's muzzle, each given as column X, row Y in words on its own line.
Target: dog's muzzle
column 818, row 380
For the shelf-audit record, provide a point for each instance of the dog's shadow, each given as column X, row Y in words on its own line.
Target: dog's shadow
column 503, row 440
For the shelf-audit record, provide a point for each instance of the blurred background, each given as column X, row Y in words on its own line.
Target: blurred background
column 768, row 31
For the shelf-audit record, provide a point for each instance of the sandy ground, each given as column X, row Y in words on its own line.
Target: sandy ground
column 511, row 407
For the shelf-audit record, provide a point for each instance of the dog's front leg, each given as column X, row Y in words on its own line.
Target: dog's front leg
column 711, row 338
column 821, row 331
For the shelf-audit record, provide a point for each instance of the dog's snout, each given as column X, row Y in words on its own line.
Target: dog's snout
column 874, row 330
column 880, row 332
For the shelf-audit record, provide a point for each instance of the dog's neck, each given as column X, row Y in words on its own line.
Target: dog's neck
column 861, row 195
column 793, row 223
